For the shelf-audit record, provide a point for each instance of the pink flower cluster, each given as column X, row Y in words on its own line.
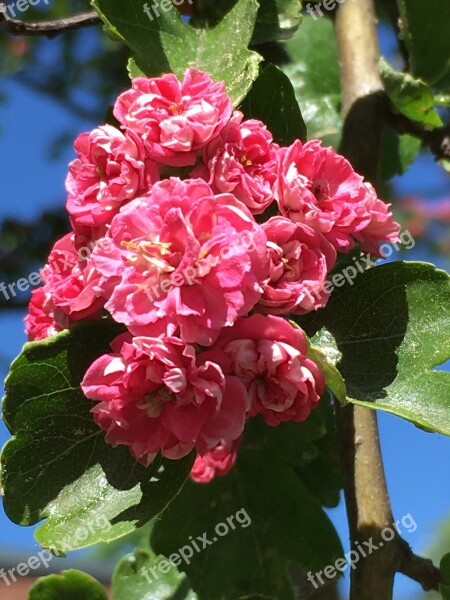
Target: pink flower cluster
column 165, row 242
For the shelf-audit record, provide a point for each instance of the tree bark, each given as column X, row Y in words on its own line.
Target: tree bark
column 367, row 500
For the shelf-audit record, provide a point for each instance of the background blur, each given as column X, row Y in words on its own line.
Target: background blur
column 52, row 90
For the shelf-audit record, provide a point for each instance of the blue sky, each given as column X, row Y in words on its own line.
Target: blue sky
column 417, row 463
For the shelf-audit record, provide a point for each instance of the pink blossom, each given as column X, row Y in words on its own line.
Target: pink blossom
column 268, row 354
column 154, row 395
column 111, row 169
column 300, row 260
column 382, row 227
column 174, row 119
column 183, row 258
column 218, row 462
column 70, row 284
column 40, row 321
column 242, row 160
column 318, row 187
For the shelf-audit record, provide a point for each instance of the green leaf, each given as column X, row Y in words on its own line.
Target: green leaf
column 310, row 448
column 425, row 29
column 445, row 568
column 233, row 513
column 445, row 591
column 58, row 466
column 392, row 327
column 167, row 44
column 322, row 474
column 327, row 345
column 411, row 97
column 314, row 73
column 399, row 152
column 272, row 100
column 326, row 354
column 70, row 585
column 445, row 164
column 144, row 575
column 276, row 19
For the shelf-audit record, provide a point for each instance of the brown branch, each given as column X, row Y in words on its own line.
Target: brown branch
column 367, row 500
column 437, row 140
column 368, row 505
column 419, row 569
column 365, row 111
column 49, row 29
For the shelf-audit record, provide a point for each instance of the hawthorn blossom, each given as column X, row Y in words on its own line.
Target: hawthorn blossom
column 218, row 462
column 174, row 119
column 318, row 187
column 40, row 321
column 242, row 160
column 269, row 356
column 300, row 260
column 182, row 259
column 110, row 169
column 155, row 395
column 69, row 293
column 71, row 284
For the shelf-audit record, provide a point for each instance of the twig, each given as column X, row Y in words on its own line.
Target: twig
column 438, row 140
column 49, row 29
column 419, row 569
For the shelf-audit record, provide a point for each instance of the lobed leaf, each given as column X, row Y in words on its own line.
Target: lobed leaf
column 272, row 101
column 58, row 466
column 424, row 28
column 315, row 77
column 260, row 484
column 168, row 44
column 393, row 330
column 411, row 97
column 145, row 575
column 70, row 585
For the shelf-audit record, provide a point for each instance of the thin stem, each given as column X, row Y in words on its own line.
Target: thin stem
column 437, row 140
column 419, row 569
column 49, row 29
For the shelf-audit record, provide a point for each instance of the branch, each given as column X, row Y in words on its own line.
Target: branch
column 438, row 140
column 365, row 111
column 419, row 569
column 368, row 506
column 367, row 500
column 49, row 29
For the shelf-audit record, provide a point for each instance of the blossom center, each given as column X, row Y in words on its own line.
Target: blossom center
column 245, row 161
column 177, row 108
column 152, row 252
column 154, row 403
column 321, row 190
